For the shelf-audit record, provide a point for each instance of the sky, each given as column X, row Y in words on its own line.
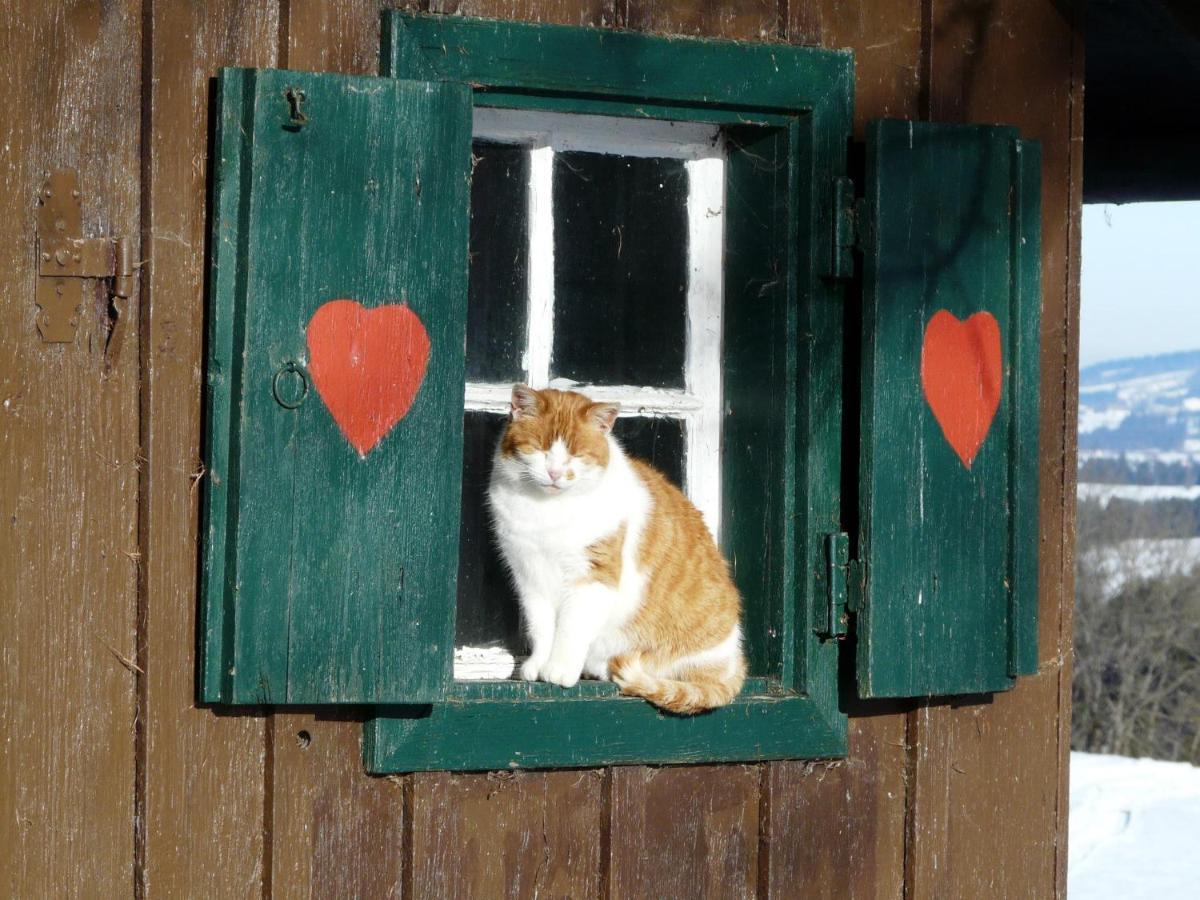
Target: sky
column 1140, row 280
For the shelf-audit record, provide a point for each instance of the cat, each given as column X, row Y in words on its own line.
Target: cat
column 616, row 573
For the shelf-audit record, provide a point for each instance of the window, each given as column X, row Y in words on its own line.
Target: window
column 596, row 263
column 839, row 364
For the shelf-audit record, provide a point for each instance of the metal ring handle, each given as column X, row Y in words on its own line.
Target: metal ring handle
column 294, row 368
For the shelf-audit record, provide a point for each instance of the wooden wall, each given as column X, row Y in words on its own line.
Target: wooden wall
column 113, row 783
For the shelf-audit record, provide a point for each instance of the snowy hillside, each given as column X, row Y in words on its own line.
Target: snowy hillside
column 1134, row 829
column 1149, row 404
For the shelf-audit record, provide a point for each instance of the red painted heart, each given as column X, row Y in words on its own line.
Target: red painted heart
column 367, row 365
column 961, row 374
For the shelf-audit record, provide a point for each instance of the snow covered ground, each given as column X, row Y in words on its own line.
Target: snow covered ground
column 1138, row 493
column 1134, row 829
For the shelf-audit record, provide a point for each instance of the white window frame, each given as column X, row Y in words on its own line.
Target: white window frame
column 698, row 403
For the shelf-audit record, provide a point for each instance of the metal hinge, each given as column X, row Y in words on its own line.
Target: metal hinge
column 845, row 581
column 833, row 616
column 845, row 230
column 66, row 257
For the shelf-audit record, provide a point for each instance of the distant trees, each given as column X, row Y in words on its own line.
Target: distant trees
column 1120, row 519
column 1136, row 686
column 1141, row 468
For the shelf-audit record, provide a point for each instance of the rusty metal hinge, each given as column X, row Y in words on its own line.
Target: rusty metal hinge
column 66, row 257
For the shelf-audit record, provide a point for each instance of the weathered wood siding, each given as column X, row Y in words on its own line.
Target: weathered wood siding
column 113, row 783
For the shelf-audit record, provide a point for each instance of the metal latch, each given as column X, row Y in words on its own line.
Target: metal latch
column 66, row 257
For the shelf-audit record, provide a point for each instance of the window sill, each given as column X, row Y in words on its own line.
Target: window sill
column 515, row 724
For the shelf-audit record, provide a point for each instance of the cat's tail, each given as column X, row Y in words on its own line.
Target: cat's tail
column 700, row 689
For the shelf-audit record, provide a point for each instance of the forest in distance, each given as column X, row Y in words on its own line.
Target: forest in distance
column 1136, row 686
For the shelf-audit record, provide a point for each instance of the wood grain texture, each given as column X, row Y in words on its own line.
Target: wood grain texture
column 1003, row 798
column 334, row 830
column 747, row 20
column 938, row 529
column 507, row 834
column 601, row 13
column 321, row 584
column 684, row 832
column 836, row 829
column 331, row 36
column 983, row 795
column 202, row 774
column 68, row 466
column 542, row 59
column 500, row 732
column 886, row 39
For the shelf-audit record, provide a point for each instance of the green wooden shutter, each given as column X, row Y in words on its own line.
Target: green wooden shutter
column 948, row 490
column 339, row 267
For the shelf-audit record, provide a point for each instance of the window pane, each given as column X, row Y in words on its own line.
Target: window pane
column 658, row 441
column 496, row 310
column 487, row 607
column 620, row 269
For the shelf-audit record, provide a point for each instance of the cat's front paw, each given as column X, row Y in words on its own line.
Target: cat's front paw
column 557, row 673
column 597, row 669
column 531, row 669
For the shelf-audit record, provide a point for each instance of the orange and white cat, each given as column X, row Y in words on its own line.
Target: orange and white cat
column 617, row 575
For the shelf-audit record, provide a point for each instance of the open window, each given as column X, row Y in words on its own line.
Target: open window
column 670, row 224
column 597, row 250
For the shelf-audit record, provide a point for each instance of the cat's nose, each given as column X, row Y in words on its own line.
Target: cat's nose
column 555, row 474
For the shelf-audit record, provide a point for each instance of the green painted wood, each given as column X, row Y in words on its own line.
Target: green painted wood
column 601, row 62
column 516, row 690
column 639, row 109
column 503, row 734
column 949, row 550
column 1023, row 458
column 328, row 577
column 788, row 112
column 760, row 393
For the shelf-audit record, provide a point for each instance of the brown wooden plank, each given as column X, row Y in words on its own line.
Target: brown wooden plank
column 507, row 834
column 837, row 829
column 68, row 467
column 600, row 13
column 335, row 831
column 684, row 831
column 202, row 790
column 332, row 37
column 983, row 812
column 989, row 779
column 887, row 51
column 748, row 20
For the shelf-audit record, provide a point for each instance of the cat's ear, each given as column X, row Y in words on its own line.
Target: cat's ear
column 604, row 415
column 524, row 402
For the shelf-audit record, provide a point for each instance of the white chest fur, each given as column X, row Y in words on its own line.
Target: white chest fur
column 545, row 538
column 573, row 623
